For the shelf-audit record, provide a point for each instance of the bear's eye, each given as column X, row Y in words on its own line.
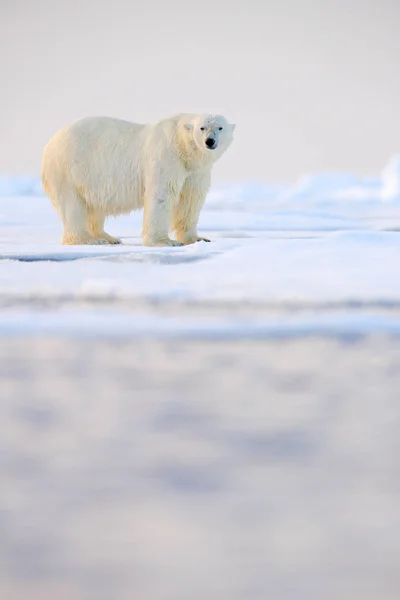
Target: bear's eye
column 202, row 128
column 220, row 128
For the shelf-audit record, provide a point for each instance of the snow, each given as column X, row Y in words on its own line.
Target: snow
column 307, row 247
column 83, row 323
column 391, row 180
column 341, row 267
column 226, row 471
column 213, row 421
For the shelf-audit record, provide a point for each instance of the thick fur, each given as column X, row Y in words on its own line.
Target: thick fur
column 100, row 166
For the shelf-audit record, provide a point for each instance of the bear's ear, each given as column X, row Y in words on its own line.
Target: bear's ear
column 189, row 126
column 233, row 125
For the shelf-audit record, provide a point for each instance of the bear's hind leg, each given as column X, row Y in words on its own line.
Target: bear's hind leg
column 96, row 228
column 74, row 217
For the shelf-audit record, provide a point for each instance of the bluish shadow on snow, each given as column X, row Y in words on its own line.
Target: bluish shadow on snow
column 290, row 445
column 156, row 257
column 178, row 417
column 188, row 478
column 48, row 257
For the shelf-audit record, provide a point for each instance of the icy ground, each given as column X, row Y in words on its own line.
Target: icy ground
column 330, row 242
column 214, row 422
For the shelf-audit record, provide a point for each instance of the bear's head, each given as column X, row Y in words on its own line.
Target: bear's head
column 210, row 133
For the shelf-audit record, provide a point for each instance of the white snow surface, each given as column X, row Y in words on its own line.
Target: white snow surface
column 329, row 241
column 213, row 422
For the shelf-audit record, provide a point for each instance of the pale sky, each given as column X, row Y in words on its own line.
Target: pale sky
column 312, row 85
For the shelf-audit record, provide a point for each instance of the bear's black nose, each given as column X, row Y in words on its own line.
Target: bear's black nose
column 210, row 143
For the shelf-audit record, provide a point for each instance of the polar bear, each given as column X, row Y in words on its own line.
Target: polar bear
column 101, row 166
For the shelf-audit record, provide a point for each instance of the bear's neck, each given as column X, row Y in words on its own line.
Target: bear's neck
column 192, row 158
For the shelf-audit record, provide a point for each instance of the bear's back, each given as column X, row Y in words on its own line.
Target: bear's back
column 95, row 128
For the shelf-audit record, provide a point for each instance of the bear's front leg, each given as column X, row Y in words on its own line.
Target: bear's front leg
column 186, row 212
column 161, row 193
column 157, row 215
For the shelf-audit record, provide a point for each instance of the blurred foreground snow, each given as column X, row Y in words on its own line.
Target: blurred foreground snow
column 167, row 470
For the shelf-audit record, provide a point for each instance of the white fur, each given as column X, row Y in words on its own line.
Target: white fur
column 101, row 166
